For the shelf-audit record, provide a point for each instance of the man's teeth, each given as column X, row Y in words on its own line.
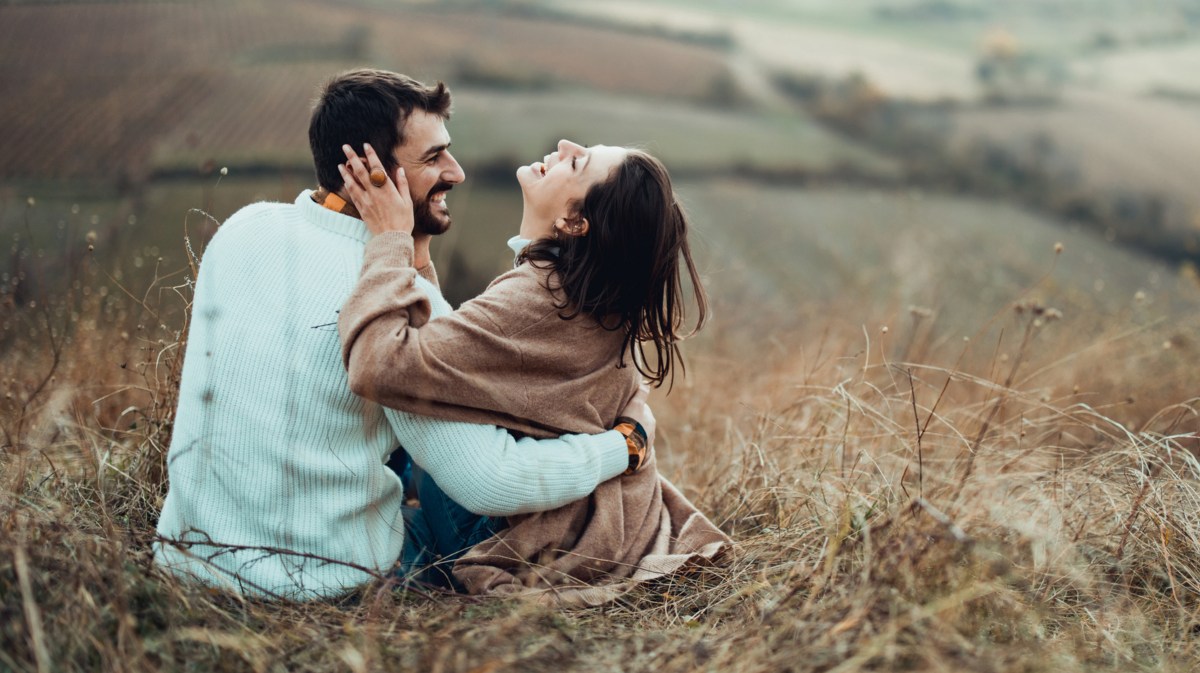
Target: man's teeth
column 438, row 198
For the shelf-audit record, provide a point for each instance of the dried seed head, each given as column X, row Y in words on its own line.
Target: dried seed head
column 884, row 329
column 1058, row 248
column 224, row 171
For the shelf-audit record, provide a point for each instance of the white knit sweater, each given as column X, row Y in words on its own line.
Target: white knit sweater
column 273, row 461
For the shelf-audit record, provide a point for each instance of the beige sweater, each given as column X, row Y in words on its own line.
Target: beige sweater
column 507, row 358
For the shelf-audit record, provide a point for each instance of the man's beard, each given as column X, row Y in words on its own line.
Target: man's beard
column 424, row 221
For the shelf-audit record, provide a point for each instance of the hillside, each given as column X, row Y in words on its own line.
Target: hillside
column 145, row 82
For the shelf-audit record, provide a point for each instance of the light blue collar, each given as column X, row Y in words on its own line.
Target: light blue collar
column 518, row 244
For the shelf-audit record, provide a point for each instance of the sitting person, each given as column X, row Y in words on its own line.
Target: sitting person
column 556, row 345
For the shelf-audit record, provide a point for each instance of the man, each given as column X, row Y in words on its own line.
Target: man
column 278, row 486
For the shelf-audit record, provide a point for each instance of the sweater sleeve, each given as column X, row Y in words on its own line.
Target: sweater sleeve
column 465, row 359
column 487, row 471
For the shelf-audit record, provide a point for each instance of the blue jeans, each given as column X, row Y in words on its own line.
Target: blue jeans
column 437, row 532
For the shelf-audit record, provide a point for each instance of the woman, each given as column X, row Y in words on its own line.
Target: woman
column 545, row 350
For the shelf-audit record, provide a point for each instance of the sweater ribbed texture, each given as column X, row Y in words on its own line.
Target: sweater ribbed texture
column 278, row 486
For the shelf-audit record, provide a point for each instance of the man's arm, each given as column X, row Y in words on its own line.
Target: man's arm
column 484, row 469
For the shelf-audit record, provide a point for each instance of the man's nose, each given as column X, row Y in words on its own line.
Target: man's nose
column 453, row 173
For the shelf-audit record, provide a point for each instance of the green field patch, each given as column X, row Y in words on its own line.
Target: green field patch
column 520, row 128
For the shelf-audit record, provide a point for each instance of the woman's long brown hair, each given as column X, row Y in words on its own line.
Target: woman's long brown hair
column 626, row 271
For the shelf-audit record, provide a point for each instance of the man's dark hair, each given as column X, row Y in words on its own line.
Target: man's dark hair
column 367, row 106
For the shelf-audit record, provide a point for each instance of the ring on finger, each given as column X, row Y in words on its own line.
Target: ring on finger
column 378, row 177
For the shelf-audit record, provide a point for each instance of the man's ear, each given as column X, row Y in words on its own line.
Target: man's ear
column 573, row 226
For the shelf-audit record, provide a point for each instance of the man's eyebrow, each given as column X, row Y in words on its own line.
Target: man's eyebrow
column 436, row 149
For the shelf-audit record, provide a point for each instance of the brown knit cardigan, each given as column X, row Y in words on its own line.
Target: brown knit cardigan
column 508, row 358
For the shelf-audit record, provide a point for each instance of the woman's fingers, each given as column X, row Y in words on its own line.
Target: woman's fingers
column 402, row 184
column 375, row 164
column 354, row 164
column 383, row 204
column 353, row 190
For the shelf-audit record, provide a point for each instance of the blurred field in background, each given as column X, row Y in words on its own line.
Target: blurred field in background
column 940, row 444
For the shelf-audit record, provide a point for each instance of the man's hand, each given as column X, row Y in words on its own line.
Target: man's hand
column 638, row 410
column 383, row 204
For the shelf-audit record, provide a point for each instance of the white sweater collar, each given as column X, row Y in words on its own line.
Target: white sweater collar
column 518, row 244
column 325, row 218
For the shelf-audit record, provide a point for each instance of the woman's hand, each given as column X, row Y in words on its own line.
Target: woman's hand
column 388, row 207
column 638, row 410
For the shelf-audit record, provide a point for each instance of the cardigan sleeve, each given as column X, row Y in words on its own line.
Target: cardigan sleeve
column 467, row 359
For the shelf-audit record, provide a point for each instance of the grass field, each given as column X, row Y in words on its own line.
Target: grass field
column 1029, row 506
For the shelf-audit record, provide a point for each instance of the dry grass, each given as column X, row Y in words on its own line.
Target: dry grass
column 889, row 516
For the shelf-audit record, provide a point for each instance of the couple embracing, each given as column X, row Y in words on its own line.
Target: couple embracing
column 327, row 386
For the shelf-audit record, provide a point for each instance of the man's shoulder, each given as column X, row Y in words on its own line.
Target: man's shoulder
column 258, row 214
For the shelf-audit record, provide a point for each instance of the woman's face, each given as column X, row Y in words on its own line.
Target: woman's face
column 563, row 178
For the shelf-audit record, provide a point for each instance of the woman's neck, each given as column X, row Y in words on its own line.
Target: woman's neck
column 533, row 228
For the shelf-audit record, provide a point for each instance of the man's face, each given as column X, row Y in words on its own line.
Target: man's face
column 430, row 169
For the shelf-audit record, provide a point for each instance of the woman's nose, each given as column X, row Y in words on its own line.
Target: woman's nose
column 568, row 148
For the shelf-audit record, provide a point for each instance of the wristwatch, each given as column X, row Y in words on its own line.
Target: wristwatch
column 635, row 441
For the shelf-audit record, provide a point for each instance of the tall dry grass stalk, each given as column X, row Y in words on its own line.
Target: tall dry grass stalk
column 1030, row 505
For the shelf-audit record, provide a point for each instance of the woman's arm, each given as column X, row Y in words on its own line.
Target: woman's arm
column 505, row 354
column 465, row 359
